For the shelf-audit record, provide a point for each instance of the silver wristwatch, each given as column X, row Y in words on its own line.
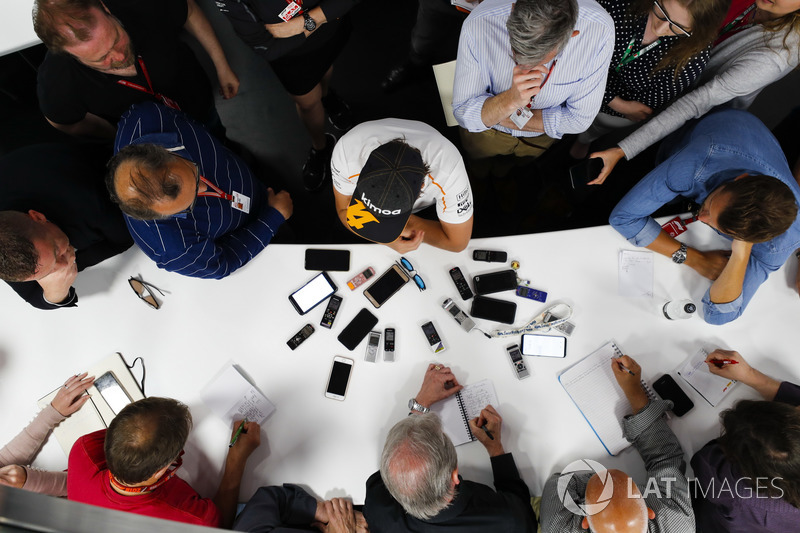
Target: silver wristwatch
column 414, row 406
column 680, row 254
column 309, row 24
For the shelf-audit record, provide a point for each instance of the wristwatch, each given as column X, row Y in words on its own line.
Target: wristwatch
column 309, row 24
column 414, row 406
column 680, row 254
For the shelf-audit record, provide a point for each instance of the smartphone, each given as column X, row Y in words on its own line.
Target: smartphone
column 493, row 309
column 388, row 344
column 312, row 293
column 584, row 172
column 357, row 329
column 112, row 392
column 333, row 260
column 372, row 346
column 385, row 286
column 544, row 345
column 489, row 256
column 339, row 378
column 667, row 388
column 435, row 342
column 495, row 282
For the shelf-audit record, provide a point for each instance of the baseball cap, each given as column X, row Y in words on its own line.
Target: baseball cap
column 387, row 188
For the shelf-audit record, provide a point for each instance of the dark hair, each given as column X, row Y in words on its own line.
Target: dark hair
column 760, row 208
column 402, row 140
column 145, row 437
column 707, row 16
column 18, row 256
column 59, row 23
column 537, row 27
column 762, row 439
column 150, row 179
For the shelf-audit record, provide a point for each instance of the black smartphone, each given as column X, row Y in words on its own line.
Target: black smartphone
column 312, row 293
column 489, row 256
column 357, row 329
column 495, row 282
column 667, row 388
column 492, row 309
column 332, row 260
column 584, row 172
column 385, row 286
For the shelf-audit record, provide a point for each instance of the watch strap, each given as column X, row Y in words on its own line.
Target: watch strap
column 414, row 406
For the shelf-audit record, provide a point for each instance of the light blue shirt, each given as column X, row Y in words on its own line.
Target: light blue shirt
column 696, row 160
column 571, row 97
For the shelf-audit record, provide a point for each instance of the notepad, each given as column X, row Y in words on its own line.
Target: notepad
column 711, row 387
column 457, row 410
column 636, row 274
column 593, row 388
column 232, row 397
column 95, row 414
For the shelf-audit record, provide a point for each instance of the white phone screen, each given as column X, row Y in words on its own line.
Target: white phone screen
column 544, row 345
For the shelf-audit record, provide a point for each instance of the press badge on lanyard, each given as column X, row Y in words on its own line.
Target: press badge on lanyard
column 238, row 200
column 521, row 116
column 289, row 12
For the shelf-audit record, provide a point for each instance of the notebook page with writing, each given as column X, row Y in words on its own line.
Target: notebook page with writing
column 232, row 397
column 456, row 411
column 711, row 387
column 593, row 388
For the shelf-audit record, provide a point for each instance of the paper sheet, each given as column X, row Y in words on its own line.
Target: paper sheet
column 711, row 387
column 474, row 398
column 231, row 397
column 445, row 75
column 636, row 274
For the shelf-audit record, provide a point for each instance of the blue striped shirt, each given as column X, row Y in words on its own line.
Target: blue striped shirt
column 214, row 239
column 572, row 95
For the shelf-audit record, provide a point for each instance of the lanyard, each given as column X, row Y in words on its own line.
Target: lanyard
column 625, row 56
column 217, row 192
column 736, row 22
column 547, row 77
column 169, row 102
column 538, row 323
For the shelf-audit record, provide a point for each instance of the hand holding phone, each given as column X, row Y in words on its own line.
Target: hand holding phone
column 581, row 174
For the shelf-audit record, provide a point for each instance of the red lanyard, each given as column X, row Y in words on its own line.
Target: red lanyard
column 546, row 78
column 169, row 102
column 742, row 22
column 217, row 192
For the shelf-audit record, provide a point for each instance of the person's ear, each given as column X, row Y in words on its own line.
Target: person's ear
column 585, row 523
column 36, row 216
column 740, row 176
column 651, row 514
column 574, row 33
column 456, row 481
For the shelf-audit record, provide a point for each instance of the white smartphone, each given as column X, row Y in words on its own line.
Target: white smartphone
column 339, row 378
column 111, row 391
column 544, row 345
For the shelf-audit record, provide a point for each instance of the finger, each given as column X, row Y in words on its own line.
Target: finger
column 490, row 408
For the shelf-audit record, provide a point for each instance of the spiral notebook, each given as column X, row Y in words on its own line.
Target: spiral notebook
column 457, row 410
column 593, row 388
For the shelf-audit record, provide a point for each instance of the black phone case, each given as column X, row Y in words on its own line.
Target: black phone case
column 495, row 282
column 332, row 260
column 357, row 329
column 585, row 171
column 297, row 308
column 492, row 309
column 668, row 388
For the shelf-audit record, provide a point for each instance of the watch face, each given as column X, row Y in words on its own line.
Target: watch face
column 309, row 23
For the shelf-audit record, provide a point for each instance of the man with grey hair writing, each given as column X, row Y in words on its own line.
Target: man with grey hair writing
column 529, row 72
column 418, row 488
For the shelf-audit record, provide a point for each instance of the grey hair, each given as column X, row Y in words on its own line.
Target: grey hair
column 417, row 465
column 538, row 27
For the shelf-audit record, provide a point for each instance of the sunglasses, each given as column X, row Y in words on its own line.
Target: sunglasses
column 674, row 27
column 142, row 290
column 409, row 268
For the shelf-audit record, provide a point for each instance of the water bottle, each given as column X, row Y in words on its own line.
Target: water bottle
column 679, row 309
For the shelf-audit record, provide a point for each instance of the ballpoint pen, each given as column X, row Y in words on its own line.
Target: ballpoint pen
column 238, row 432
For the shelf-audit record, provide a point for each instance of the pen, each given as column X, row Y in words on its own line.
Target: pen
column 488, row 433
column 625, row 368
column 719, row 363
column 238, row 432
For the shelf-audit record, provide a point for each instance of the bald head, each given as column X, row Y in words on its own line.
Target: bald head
column 626, row 511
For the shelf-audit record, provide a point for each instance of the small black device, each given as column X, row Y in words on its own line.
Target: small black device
column 489, row 256
column 433, row 338
column 495, row 282
column 461, row 317
column 492, row 309
column 533, row 294
column 461, row 283
column 517, row 362
column 385, row 286
column 300, row 336
column 584, row 172
column 339, row 378
column 388, row 344
column 357, row 329
column 332, row 260
column 372, row 346
column 544, row 345
column 312, row 293
column 330, row 311
column 666, row 387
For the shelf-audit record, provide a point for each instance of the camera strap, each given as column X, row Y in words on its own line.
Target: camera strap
column 538, row 323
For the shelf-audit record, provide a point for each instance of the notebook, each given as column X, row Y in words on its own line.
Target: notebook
column 232, row 397
column 95, row 414
column 457, row 410
column 593, row 388
column 711, row 387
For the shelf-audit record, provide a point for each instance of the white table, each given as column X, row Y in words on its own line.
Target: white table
column 16, row 26
column 332, row 447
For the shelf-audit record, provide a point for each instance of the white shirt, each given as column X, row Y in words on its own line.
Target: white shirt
column 447, row 184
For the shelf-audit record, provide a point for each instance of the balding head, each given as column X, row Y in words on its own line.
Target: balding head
column 626, row 511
